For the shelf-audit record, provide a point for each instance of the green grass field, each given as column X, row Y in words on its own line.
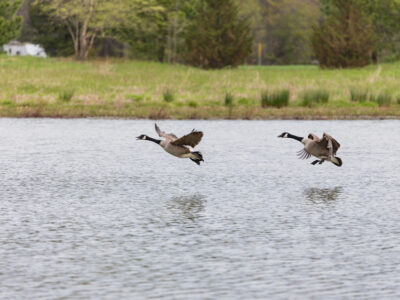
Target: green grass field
column 35, row 87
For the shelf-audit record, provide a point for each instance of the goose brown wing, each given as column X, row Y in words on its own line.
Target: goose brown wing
column 335, row 143
column 168, row 136
column 330, row 143
column 191, row 139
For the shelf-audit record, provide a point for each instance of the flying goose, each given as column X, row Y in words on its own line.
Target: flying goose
column 323, row 149
column 178, row 146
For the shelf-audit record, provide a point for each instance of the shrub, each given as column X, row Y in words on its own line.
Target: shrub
column 228, row 101
column 66, row 95
column 168, row 95
column 312, row 97
column 358, row 95
column 275, row 98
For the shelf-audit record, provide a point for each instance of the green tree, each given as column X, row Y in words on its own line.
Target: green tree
column 345, row 38
column 218, row 36
column 157, row 31
column 87, row 20
column 385, row 17
column 84, row 19
column 283, row 28
column 10, row 25
column 52, row 35
column 288, row 27
column 181, row 15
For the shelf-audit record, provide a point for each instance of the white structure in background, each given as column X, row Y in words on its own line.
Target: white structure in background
column 17, row 48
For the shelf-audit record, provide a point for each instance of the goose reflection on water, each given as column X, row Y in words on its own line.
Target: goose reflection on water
column 324, row 195
column 190, row 207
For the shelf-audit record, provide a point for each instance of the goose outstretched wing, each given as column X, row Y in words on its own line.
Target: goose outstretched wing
column 329, row 143
column 168, row 136
column 303, row 154
column 191, row 139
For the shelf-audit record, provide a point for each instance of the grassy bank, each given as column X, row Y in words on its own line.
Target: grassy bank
column 34, row 87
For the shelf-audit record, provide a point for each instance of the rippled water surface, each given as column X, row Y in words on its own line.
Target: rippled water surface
column 86, row 211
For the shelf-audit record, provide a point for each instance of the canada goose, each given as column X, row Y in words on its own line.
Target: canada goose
column 177, row 147
column 324, row 149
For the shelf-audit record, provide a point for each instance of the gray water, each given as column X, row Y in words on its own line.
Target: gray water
column 86, row 211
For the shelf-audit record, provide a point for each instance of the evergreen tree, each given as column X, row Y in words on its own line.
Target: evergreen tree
column 218, row 37
column 10, row 25
column 345, row 38
column 385, row 17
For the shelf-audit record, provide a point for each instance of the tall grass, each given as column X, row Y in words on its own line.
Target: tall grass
column 133, row 97
column 228, row 100
column 275, row 98
column 311, row 97
column 358, row 95
column 7, row 102
column 168, row 95
column 193, row 104
column 66, row 95
column 383, row 99
column 244, row 101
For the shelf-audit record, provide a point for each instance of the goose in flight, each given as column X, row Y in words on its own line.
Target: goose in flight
column 323, row 149
column 178, row 146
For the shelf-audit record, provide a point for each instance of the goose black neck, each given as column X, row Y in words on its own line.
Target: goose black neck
column 153, row 140
column 295, row 137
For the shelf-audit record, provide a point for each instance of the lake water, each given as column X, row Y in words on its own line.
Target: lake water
column 87, row 211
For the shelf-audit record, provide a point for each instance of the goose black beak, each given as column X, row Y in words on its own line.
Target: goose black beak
column 138, row 138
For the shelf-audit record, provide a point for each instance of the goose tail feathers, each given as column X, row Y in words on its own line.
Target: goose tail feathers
column 197, row 157
column 337, row 161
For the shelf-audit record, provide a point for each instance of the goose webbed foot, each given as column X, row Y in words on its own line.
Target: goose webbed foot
column 321, row 161
column 315, row 162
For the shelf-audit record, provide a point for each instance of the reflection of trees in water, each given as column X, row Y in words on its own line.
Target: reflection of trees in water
column 323, row 194
column 189, row 206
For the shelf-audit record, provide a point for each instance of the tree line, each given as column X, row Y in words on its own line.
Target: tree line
column 211, row 33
